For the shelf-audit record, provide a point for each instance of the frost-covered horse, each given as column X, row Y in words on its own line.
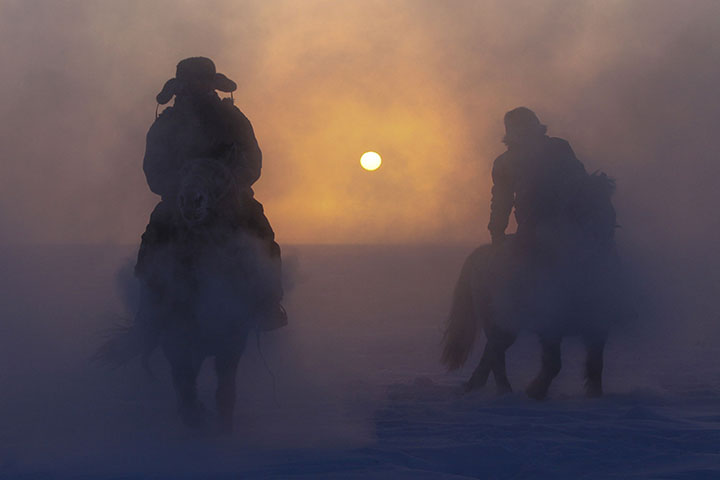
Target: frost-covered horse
column 572, row 286
column 205, row 289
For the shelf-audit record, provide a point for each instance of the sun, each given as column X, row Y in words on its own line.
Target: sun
column 370, row 161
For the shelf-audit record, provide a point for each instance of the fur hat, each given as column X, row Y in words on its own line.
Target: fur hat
column 191, row 69
column 520, row 123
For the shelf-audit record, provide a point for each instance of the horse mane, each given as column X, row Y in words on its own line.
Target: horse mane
column 591, row 208
column 601, row 183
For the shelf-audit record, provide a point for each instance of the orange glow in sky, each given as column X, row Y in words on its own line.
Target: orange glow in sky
column 423, row 83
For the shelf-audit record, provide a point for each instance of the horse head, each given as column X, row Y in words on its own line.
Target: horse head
column 204, row 183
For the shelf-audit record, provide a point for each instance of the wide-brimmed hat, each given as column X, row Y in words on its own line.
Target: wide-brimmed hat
column 194, row 68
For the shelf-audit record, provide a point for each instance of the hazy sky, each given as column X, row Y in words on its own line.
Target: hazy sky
column 633, row 85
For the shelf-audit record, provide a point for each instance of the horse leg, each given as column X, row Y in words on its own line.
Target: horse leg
column 504, row 340
column 480, row 376
column 551, row 365
column 595, row 345
column 226, row 369
column 185, row 370
column 226, row 363
column 493, row 359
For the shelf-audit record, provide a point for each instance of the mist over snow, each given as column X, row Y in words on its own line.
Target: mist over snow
column 358, row 389
column 355, row 389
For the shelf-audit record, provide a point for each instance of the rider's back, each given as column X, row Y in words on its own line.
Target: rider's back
column 212, row 128
column 538, row 180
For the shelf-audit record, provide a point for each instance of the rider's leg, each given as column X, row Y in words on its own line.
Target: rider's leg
column 157, row 235
column 551, row 365
column 226, row 364
column 258, row 224
column 595, row 345
column 158, row 232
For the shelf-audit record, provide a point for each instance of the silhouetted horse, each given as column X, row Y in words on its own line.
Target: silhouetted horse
column 205, row 289
column 569, row 283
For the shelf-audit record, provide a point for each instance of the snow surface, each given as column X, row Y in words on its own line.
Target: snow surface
column 359, row 392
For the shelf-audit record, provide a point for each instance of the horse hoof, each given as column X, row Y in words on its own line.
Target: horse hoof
column 194, row 417
column 593, row 391
column 225, row 429
column 471, row 386
column 468, row 387
column 536, row 391
column 503, row 389
column 224, row 426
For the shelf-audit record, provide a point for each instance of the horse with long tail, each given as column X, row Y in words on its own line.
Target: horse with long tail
column 571, row 285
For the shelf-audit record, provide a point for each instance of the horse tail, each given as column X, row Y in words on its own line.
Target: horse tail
column 462, row 324
column 124, row 343
column 120, row 346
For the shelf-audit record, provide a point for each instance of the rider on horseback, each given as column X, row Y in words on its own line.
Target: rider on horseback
column 200, row 124
column 565, row 220
column 536, row 175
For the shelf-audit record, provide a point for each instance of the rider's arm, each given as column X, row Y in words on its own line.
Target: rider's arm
column 571, row 171
column 503, row 197
column 158, row 163
column 572, row 166
column 247, row 161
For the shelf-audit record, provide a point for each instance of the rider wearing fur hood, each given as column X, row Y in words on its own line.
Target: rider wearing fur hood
column 201, row 124
column 536, row 176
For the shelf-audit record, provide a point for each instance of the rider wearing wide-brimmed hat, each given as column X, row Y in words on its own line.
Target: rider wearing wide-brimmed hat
column 201, row 124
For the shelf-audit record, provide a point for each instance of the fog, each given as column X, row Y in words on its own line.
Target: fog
column 633, row 86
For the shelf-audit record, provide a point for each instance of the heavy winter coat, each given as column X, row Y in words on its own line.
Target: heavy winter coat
column 538, row 180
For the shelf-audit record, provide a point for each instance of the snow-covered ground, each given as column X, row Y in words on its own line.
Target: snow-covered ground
column 359, row 392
